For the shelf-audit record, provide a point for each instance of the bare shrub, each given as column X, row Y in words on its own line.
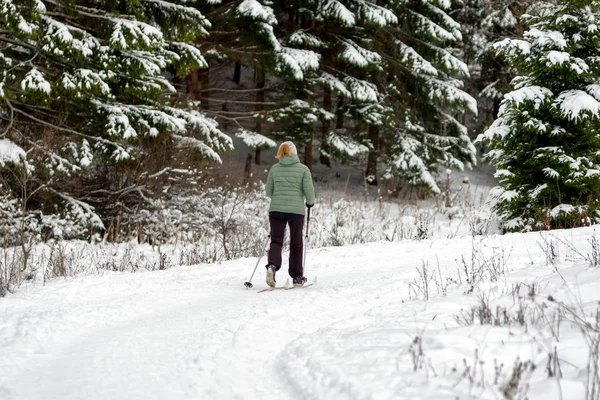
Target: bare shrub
column 517, row 386
column 482, row 265
column 420, row 286
column 416, row 352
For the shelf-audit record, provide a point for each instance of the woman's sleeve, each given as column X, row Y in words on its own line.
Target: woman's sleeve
column 308, row 188
column 269, row 186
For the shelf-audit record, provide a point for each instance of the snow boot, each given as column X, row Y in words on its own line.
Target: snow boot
column 299, row 281
column 271, row 269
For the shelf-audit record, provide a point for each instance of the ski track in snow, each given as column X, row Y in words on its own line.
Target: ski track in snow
column 197, row 333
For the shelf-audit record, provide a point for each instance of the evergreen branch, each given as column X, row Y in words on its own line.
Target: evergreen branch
column 11, row 120
column 16, row 43
column 60, row 128
column 238, row 112
column 267, row 103
column 235, row 90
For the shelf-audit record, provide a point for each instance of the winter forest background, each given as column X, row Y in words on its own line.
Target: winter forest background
column 455, row 151
column 115, row 117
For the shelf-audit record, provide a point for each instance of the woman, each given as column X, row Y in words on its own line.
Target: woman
column 288, row 184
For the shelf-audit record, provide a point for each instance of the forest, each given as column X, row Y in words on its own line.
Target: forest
column 111, row 109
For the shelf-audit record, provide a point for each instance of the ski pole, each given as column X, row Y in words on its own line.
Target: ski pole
column 249, row 283
column 306, row 241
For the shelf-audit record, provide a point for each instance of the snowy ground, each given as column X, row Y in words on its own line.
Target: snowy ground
column 363, row 332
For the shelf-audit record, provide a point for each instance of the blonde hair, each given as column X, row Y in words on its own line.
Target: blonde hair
column 284, row 150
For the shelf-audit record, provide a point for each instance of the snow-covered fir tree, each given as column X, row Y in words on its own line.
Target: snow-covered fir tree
column 424, row 95
column 545, row 142
column 83, row 85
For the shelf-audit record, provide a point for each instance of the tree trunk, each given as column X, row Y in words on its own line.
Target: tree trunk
column 193, row 90
column 373, row 155
column 326, row 125
column 260, row 98
column 308, row 150
column 204, row 85
column 339, row 123
column 247, row 169
column 237, row 72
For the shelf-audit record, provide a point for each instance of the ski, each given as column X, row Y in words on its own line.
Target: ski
column 270, row 289
column 288, row 287
column 299, row 287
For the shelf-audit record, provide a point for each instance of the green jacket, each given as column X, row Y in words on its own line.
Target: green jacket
column 288, row 183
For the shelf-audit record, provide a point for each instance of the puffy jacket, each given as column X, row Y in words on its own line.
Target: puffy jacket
column 288, row 183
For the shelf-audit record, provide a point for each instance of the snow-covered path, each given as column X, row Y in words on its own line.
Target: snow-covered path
column 197, row 333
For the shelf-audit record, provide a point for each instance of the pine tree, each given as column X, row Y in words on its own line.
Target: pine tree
column 83, row 84
column 424, row 92
column 545, row 142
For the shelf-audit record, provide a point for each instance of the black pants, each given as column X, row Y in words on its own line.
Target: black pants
column 278, row 224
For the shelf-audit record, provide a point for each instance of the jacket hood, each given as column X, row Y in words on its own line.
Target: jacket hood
column 289, row 160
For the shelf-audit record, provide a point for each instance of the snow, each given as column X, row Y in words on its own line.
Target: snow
column 361, row 91
column 363, row 331
column 131, row 35
column 345, row 146
column 557, row 57
column 574, row 103
column 513, row 47
column 537, row 94
column 546, row 39
column 333, row 83
column 417, row 63
column 298, row 61
column 11, row 153
column 429, row 28
column 356, row 55
column 35, row 81
column 562, row 209
column 333, row 9
column 551, row 173
column 303, row 38
column 255, row 140
column 375, row 14
column 254, row 10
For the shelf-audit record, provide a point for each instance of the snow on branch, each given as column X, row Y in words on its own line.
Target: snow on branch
column 448, row 91
column 414, row 61
column 576, row 104
column 430, row 29
column 60, row 39
column 84, row 82
column 335, row 10
column 11, row 153
column 357, row 55
column 81, row 211
column 410, row 166
column 376, row 15
column 189, row 53
column 547, row 40
column 333, row 83
column 198, row 145
column 503, row 18
column 254, row 10
column 133, row 35
column 297, row 61
column 34, row 81
column 362, row 91
column 303, row 38
column 512, row 48
column 255, row 140
column 537, row 94
column 345, row 146
column 448, row 21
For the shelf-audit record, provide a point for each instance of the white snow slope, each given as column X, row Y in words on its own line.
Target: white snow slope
column 197, row 333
